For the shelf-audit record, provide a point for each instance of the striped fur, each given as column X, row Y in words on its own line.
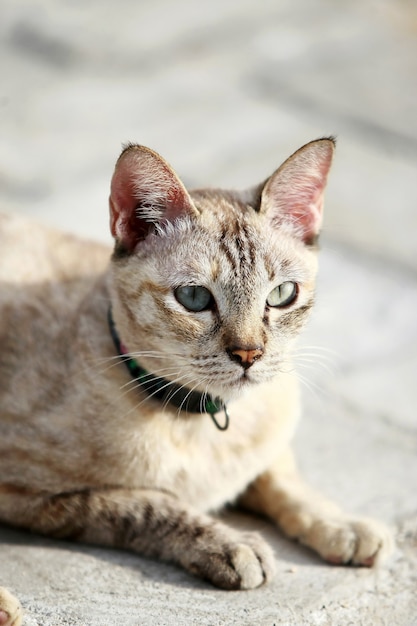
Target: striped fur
column 85, row 454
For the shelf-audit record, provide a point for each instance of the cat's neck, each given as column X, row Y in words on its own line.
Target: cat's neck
column 165, row 391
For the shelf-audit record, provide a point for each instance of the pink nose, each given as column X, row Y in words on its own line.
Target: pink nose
column 246, row 357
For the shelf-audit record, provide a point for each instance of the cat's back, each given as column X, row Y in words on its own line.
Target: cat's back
column 45, row 275
column 31, row 253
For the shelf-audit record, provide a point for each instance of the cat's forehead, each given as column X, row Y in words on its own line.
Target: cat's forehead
column 231, row 241
column 226, row 207
column 247, row 238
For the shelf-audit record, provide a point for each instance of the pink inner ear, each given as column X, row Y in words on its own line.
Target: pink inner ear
column 144, row 190
column 124, row 223
column 294, row 195
column 125, row 227
column 304, row 207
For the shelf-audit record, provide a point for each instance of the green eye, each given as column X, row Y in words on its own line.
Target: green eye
column 283, row 295
column 194, row 297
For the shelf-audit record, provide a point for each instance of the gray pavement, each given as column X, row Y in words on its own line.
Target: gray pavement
column 225, row 91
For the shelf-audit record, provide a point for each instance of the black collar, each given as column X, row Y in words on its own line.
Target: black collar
column 167, row 391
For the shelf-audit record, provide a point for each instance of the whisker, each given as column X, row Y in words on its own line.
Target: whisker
column 119, row 359
column 199, row 381
column 312, row 387
column 136, row 383
column 150, row 375
column 174, row 391
column 316, row 350
column 151, row 395
column 132, row 355
column 203, row 399
column 311, row 364
column 316, row 355
column 116, row 360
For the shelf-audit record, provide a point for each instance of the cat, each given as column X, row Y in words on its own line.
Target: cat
column 142, row 393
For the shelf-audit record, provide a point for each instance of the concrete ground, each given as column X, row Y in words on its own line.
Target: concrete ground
column 226, row 90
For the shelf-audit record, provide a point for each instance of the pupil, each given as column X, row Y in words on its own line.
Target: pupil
column 193, row 297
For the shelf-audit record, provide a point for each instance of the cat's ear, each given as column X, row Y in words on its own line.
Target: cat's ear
column 293, row 195
column 145, row 190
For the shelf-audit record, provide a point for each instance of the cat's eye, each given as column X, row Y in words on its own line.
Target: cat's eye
column 194, row 297
column 283, row 295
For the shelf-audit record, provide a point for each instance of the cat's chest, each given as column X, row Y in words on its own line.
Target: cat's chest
column 205, row 466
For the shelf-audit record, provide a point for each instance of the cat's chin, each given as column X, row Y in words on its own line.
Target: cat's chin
column 244, row 383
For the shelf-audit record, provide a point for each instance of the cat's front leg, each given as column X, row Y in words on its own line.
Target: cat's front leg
column 156, row 524
column 305, row 515
column 11, row 613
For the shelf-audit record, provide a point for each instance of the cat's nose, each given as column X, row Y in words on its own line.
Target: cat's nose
column 245, row 356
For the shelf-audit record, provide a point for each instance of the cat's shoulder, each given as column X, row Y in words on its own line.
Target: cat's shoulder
column 32, row 252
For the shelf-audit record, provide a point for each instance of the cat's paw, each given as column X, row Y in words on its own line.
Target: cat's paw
column 246, row 562
column 10, row 609
column 351, row 540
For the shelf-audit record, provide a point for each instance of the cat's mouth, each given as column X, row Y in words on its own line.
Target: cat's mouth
column 250, row 378
column 244, row 380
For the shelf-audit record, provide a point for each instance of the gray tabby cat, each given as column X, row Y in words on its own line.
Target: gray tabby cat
column 138, row 396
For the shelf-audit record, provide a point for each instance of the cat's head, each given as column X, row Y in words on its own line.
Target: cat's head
column 210, row 288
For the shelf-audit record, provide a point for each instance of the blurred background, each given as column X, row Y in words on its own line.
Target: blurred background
column 224, row 90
